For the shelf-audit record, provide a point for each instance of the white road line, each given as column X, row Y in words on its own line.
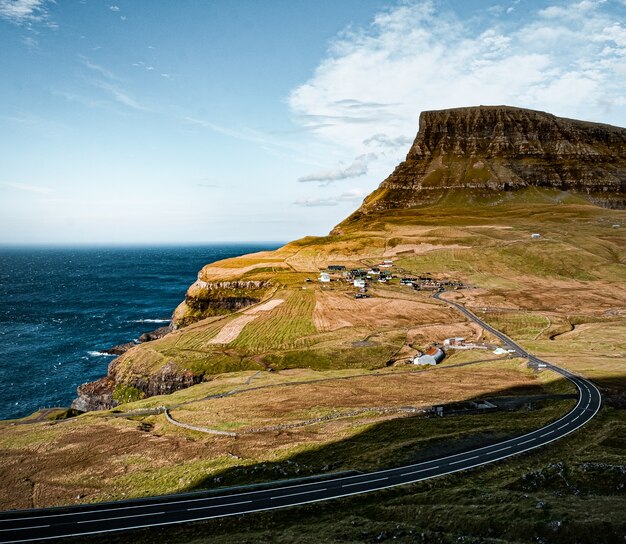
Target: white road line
column 417, row 471
column 301, row 493
column 463, row 460
column 365, row 482
column 118, row 517
column 525, row 441
column 562, row 426
column 217, row 506
column 26, row 528
column 501, row 449
column 545, row 434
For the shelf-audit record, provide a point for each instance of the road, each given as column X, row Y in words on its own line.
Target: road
column 53, row 523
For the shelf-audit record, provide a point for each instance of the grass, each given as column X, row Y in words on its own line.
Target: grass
column 284, row 327
column 519, row 326
column 566, row 492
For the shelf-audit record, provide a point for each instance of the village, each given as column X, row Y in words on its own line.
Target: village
column 386, row 272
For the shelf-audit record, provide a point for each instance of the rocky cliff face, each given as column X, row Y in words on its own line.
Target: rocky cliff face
column 488, row 149
column 206, row 299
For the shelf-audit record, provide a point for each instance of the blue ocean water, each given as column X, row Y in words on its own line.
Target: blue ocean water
column 60, row 306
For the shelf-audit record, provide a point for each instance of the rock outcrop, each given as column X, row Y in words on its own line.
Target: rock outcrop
column 489, row 149
column 206, row 299
column 96, row 395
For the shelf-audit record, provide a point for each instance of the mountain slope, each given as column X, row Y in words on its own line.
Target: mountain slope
column 484, row 150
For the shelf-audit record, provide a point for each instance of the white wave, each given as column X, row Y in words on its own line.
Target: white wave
column 99, row 354
column 151, row 321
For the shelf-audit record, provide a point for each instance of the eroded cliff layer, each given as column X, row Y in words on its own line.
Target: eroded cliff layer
column 487, row 149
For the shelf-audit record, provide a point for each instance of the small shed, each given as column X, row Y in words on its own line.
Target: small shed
column 535, row 235
column 336, row 267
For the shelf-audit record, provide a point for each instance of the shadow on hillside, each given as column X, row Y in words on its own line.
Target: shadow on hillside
column 416, row 438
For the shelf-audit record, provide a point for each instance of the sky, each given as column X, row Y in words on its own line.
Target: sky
column 148, row 121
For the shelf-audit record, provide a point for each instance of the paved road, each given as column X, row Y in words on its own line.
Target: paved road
column 49, row 524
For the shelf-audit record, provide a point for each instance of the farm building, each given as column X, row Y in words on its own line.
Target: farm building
column 359, row 282
column 325, row 277
column 431, row 357
column 336, row 267
column 456, row 341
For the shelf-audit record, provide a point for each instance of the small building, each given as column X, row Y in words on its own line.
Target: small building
column 388, row 263
column 456, row 341
column 432, row 357
column 360, row 283
column 616, row 226
column 325, row 277
column 336, row 267
column 407, row 281
column 535, row 235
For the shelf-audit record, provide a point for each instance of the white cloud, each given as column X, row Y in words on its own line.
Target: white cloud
column 114, row 8
column 358, row 167
column 568, row 58
column 97, row 68
column 384, row 140
column 351, row 196
column 21, row 12
column 120, row 95
column 39, row 189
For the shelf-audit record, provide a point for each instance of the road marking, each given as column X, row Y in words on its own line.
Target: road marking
column 301, row 493
column 562, row 426
column 365, row 482
column 26, row 528
column 501, row 449
column 545, row 434
column 417, row 471
column 118, row 517
column 525, row 442
column 217, row 506
column 463, row 460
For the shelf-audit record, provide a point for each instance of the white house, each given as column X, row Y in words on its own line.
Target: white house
column 431, row 357
column 456, row 341
column 359, row 282
column 325, row 277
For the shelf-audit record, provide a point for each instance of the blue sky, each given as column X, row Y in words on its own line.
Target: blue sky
column 175, row 122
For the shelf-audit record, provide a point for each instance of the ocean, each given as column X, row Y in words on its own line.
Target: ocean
column 59, row 307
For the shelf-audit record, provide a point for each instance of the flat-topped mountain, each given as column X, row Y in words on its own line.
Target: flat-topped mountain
column 487, row 149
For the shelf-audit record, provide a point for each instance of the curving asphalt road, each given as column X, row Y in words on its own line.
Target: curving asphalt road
column 53, row 523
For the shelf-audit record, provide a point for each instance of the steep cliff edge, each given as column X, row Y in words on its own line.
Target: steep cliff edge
column 484, row 150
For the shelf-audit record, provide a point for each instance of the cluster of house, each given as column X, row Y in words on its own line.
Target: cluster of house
column 357, row 276
column 425, row 283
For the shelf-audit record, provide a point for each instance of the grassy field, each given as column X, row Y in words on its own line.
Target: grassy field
column 570, row 491
column 145, row 455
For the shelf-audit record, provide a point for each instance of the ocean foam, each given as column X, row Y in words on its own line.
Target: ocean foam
column 100, row 354
column 152, row 321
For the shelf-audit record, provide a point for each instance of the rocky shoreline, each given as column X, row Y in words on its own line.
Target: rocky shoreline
column 98, row 395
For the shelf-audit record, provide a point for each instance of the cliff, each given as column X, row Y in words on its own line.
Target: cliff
column 485, row 150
